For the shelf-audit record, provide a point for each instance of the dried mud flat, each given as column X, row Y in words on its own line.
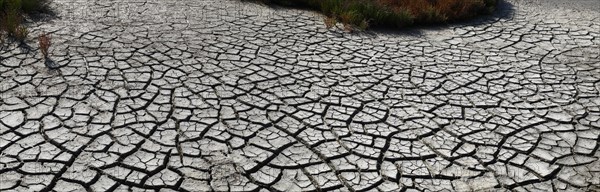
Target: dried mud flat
column 212, row 95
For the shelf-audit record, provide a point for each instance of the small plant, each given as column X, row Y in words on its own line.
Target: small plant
column 329, row 22
column 348, row 17
column 44, row 43
column 363, row 25
column 348, row 27
column 21, row 33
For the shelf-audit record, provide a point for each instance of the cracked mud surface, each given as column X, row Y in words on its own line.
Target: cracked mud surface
column 210, row 95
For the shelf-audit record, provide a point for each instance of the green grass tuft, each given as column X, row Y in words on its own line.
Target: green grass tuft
column 12, row 14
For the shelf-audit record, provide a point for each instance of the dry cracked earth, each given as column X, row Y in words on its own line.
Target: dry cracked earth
column 223, row 95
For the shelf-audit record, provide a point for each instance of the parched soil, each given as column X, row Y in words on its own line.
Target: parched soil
column 225, row 95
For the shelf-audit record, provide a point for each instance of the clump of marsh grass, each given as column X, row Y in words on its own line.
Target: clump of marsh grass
column 392, row 13
column 12, row 14
column 10, row 22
